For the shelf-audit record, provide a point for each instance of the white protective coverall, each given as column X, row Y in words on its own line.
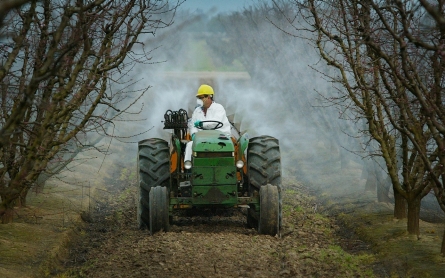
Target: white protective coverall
column 215, row 112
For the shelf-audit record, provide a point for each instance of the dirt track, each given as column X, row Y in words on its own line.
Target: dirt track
column 218, row 244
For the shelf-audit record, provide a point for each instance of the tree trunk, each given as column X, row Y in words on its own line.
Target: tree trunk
column 344, row 159
column 364, row 174
column 40, row 182
column 370, row 185
column 442, row 250
column 399, row 205
column 7, row 213
column 383, row 186
column 22, row 199
column 413, row 215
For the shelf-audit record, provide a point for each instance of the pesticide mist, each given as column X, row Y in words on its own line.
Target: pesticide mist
column 271, row 81
column 261, row 75
column 267, row 76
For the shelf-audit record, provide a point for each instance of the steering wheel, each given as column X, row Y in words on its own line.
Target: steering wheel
column 218, row 124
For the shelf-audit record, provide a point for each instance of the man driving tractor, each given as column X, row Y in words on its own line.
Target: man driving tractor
column 208, row 115
column 218, row 171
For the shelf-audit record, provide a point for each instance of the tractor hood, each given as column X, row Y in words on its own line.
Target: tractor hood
column 212, row 141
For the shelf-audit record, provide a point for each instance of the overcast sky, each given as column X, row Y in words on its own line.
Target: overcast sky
column 221, row 5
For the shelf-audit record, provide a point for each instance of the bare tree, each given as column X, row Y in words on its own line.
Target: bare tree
column 390, row 82
column 279, row 64
column 65, row 73
column 7, row 5
column 435, row 10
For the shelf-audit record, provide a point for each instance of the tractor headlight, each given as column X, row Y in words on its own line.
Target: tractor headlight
column 239, row 164
column 187, row 164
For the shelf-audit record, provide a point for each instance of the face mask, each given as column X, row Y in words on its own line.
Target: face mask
column 199, row 102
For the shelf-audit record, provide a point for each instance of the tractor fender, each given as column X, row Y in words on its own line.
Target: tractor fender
column 175, row 154
column 243, row 143
column 176, row 144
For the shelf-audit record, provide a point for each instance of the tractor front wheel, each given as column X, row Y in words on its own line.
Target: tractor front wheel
column 159, row 217
column 263, row 168
column 153, row 171
column 269, row 222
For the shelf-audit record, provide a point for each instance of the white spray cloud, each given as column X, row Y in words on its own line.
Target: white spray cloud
column 262, row 107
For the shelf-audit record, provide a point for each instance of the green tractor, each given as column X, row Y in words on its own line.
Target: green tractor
column 224, row 172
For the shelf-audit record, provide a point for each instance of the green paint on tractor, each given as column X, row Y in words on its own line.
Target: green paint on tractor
column 225, row 171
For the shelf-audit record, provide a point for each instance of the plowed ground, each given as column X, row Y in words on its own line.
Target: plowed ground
column 217, row 244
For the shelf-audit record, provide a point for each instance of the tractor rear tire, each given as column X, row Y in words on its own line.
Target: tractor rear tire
column 269, row 223
column 153, row 170
column 263, row 167
column 159, row 216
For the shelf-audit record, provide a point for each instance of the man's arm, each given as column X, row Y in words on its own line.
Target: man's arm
column 193, row 129
column 223, row 119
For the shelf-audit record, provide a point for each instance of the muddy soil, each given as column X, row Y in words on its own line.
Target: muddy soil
column 217, row 244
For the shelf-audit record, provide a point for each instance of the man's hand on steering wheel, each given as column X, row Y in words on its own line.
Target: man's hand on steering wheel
column 200, row 124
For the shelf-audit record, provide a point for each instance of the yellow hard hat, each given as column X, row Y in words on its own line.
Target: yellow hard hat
column 205, row 90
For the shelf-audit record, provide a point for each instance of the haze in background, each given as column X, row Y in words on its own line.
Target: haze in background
column 265, row 104
column 183, row 60
column 265, row 98
column 217, row 5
